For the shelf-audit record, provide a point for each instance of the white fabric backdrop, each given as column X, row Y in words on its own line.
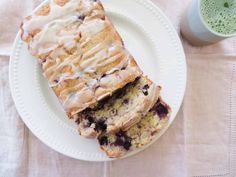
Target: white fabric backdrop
column 200, row 143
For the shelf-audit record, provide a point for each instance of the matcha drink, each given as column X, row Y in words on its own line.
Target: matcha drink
column 219, row 15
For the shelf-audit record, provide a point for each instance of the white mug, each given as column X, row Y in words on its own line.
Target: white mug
column 196, row 30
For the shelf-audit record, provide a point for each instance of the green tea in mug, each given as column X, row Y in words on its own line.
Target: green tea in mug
column 219, row 15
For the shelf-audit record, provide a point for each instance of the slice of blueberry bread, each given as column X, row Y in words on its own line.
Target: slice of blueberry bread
column 120, row 111
column 118, row 144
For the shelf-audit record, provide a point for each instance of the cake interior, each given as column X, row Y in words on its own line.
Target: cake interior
column 114, row 107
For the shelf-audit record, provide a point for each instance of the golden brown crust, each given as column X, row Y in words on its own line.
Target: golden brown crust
column 30, row 35
column 61, row 2
column 44, row 10
column 113, row 154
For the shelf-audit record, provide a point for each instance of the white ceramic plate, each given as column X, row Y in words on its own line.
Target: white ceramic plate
column 148, row 35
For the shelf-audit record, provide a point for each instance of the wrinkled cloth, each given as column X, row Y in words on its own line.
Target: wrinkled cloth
column 200, row 143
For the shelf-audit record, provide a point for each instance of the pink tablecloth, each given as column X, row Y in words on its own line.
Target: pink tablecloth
column 200, row 143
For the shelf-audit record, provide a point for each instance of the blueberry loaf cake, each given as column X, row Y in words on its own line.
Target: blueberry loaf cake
column 121, row 111
column 141, row 134
column 81, row 54
column 97, row 81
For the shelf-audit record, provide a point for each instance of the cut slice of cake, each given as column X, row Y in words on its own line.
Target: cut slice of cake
column 81, row 54
column 141, row 134
column 121, row 111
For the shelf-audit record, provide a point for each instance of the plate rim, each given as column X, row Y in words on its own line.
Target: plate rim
column 179, row 48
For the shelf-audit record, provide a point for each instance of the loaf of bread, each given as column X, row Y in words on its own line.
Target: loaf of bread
column 81, row 54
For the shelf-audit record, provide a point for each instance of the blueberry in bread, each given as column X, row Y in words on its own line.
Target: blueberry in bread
column 80, row 52
column 120, row 111
column 141, row 134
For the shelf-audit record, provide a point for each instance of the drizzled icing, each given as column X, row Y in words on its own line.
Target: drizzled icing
column 53, row 35
column 76, row 45
column 57, row 12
